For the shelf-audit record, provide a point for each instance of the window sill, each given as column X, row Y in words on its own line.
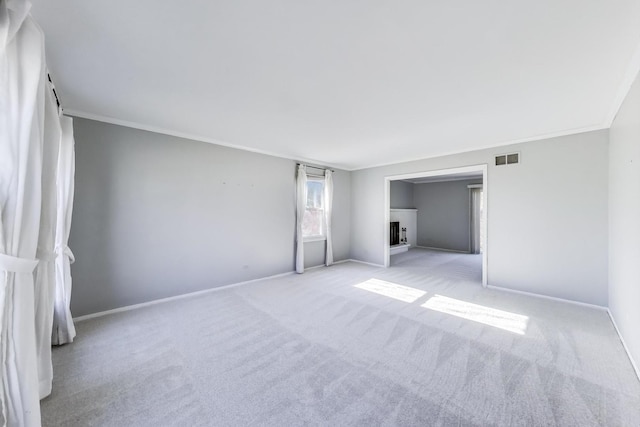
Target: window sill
column 313, row 239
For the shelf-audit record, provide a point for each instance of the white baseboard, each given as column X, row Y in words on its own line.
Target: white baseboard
column 365, row 263
column 624, row 344
column 204, row 291
column 583, row 304
column 176, row 297
column 342, row 261
column 444, row 250
column 233, row 285
column 533, row 294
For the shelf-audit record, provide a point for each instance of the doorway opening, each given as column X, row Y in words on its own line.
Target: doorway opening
column 477, row 193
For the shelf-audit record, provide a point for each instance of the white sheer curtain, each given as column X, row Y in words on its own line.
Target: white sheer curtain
column 476, row 213
column 45, row 275
column 22, row 89
column 301, row 206
column 328, row 210
column 63, row 329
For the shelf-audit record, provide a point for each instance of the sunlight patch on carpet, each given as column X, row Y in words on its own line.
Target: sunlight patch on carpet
column 391, row 290
column 505, row 320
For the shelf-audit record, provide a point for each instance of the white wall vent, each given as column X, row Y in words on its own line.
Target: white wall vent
column 507, row 159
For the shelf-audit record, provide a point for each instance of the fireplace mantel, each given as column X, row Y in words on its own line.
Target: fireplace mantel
column 408, row 219
column 396, row 249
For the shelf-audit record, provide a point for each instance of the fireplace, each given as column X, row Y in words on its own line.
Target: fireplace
column 394, row 236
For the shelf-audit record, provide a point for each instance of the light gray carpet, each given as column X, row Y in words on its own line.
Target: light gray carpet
column 333, row 347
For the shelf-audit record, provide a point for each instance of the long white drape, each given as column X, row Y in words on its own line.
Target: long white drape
column 301, row 206
column 63, row 329
column 328, row 211
column 476, row 201
column 45, row 278
column 22, row 91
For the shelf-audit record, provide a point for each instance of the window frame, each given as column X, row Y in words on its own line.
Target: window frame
column 323, row 236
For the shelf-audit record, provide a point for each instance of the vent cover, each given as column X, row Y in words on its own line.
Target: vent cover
column 508, row 159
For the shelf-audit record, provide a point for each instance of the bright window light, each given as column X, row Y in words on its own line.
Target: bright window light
column 511, row 322
column 313, row 224
column 391, row 290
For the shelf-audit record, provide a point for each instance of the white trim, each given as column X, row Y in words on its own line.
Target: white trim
column 314, row 267
column 437, row 172
column 445, row 179
column 470, row 186
column 193, row 137
column 624, row 344
column 175, row 297
column 403, row 210
column 387, row 218
column 445, row 250
column 309, row 239
column 463, row 169
column 540, row 137
column 323, row 265
column 485, row 222
column 186, row 135
column 633, row 68
column 533, row 294
column 583, row 304
column 204, row 291
column 366, row 263
column 398, row 249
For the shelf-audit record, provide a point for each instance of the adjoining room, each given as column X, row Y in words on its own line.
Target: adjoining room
column 437, row 219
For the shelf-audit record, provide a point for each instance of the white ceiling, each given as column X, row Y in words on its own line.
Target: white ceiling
column 349, row 84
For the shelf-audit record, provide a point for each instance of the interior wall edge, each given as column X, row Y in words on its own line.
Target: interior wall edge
column 624, row 344
column 630, row 76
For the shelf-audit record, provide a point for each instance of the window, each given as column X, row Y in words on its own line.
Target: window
column 313, row 226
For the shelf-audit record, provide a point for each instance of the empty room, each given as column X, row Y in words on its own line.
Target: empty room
column 319, row 213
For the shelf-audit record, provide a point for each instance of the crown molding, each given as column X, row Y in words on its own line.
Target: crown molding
column 156, row 129
column 625, row 86
column 194, row 137
column 541, row 137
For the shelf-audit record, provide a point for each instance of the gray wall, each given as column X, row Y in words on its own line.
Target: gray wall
column 156, row 216
column 401, row 195
column 443, row 214
column 547, row 217
column 624, row 221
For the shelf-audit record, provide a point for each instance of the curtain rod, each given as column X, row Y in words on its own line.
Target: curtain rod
column 53, row 89
column 316, row 167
